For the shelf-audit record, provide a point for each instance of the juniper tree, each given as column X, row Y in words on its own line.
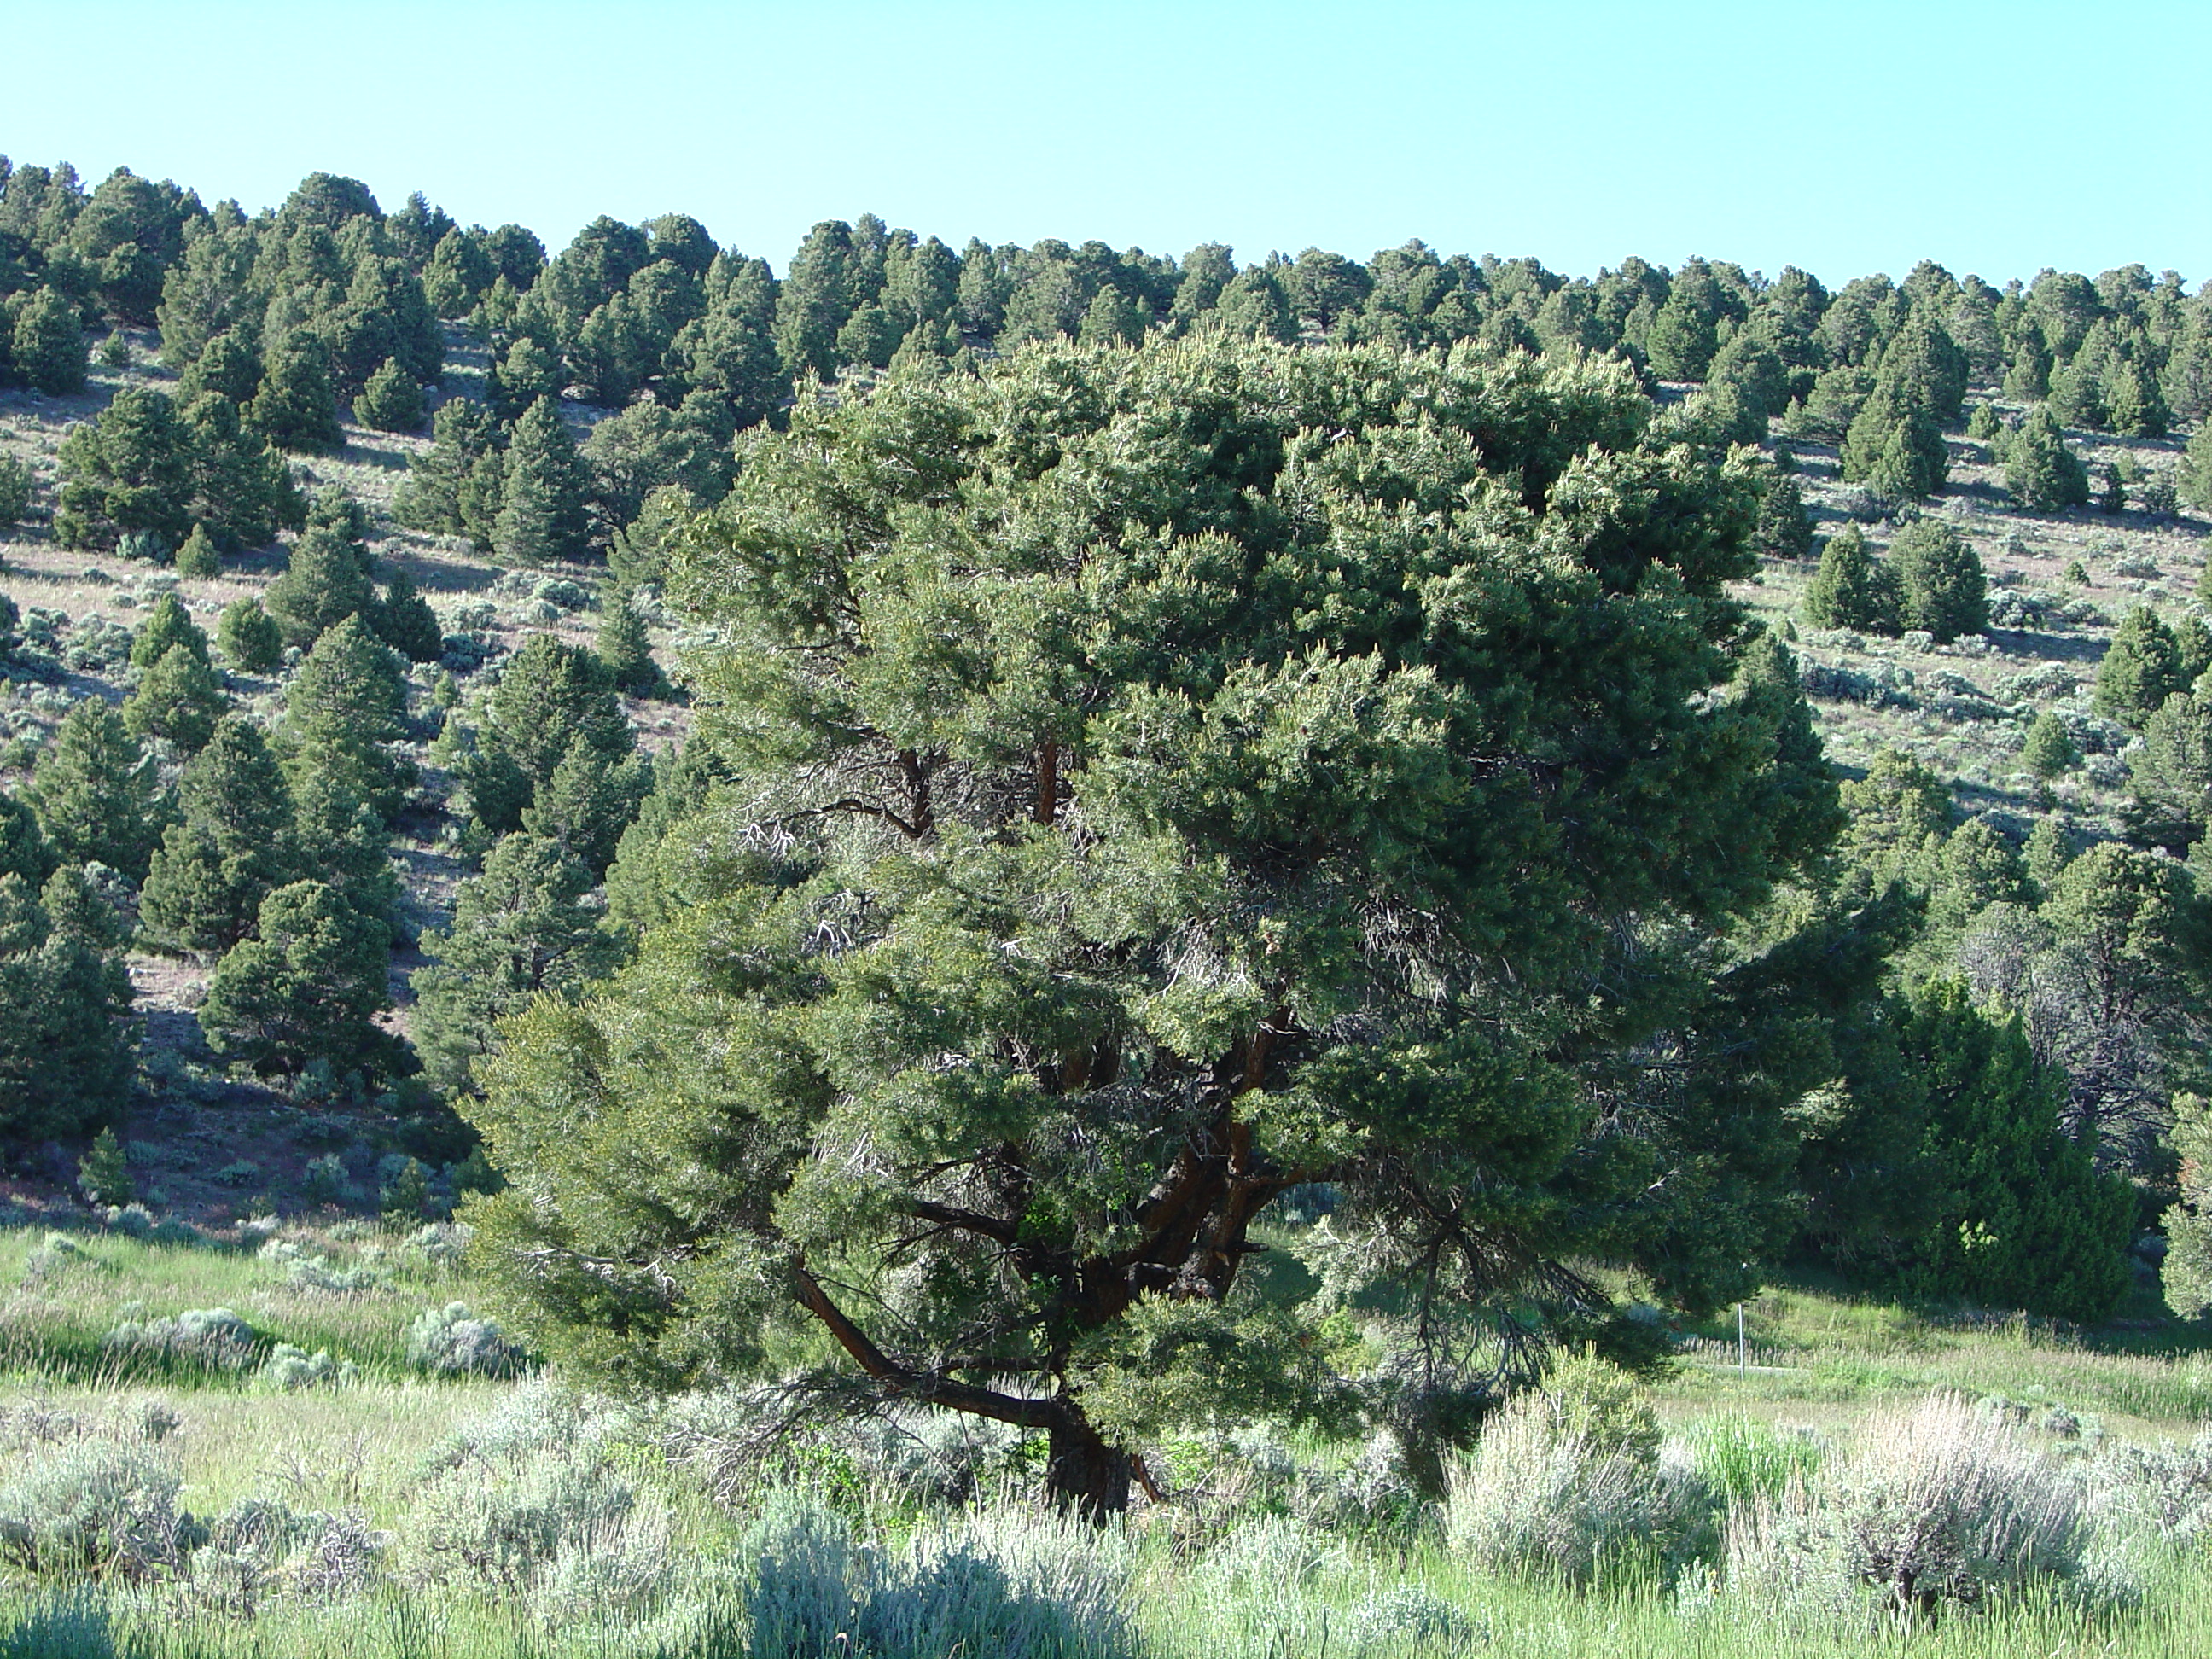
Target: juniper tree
column 297, row 406
column 462, row 433
column 242, row 492
column 550, row 695
column 623, row 645
column 66, row 1048
column 2186, row 1275
column 1785, row 530
column 1850, row 589
column 2049, row 749
column 1112, row 849
column 544, row 492
column 96, row 793
column 47, row 342
column 16, row 482
column 588, row 801
column 2025, row 1220
column 325, row 582
column 127, row 469
column 231, row 847
column 405, row 621
column 199, row 559
column 170, row 624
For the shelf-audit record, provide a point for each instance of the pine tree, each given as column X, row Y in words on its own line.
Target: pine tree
column 389, row 400
column 23, row 849
column 15, row 489
column 1944, row 590
column 343, row 712
column 405, row 621
column 323, row 583
column 2040, row 470
column 1112, row 319
column 2141, row 668
column 623, row 645
column 1895, row 446
column 926, row 952
column 170, row 625
column 1683, row 336
column 179, row 698
column 2049, row 749
column 525, row 924
column 1785, row 528
column 102, row 1174
column 1850, row 589
column 342, row 842
column 2046, row 856
column 242, row 489
column 297, row 407
column 2112, row 500
column 306, row 986
column 95, row 791
column 549, row 694
column 233, row 846
column 544, row 491
column 251, row 641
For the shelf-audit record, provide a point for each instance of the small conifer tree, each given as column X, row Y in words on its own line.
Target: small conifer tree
column 624, row 646
column 1850, row 589
column 1944, row 589
column 545, row 492
column 169, row 625
column 2049, row 749
column 199, row 559
column 179, row 699
column 95, row 791
column 1785, row 528
column 391, row 401
column 306, row 986
column 102, row 1174
column 405, row 621
column 323, row 584
column 2040, row 470
column 251, row 640
column 2140, row 669
column 296, row 408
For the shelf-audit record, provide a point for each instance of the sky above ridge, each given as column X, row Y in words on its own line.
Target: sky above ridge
column 1843, row 139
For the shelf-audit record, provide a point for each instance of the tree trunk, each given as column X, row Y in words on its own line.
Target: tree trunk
column 1083, row 1472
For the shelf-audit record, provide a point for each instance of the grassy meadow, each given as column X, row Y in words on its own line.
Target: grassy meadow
column 217, row 1501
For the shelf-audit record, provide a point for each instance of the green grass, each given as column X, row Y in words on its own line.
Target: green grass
column 53, row 1325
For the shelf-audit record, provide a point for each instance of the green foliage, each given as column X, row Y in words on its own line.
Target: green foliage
column 46, row 342
column 232, row 845
column 623, row 645
column 179, row 698
column 297, row 407
column 2040, row 470
column 405, row 621
column 524, row 926
column 307, row 985
column 551, row 696
column 1851, row 590
column 170, row 625
column 390, row 401
column 95, row 792
column 438, row 493
column 65, row 1047
column 199, row 559
column 903, row 697
column 544, row 491
column 2027, row 1221
column 2049, row 749
column 1984, row 424
column 127, row 469
column 2141, row 668
column 587, row 802
column 325, row 581
column 15, row 481
column 1785, row 530
column 2194, row 478
column 1895, row 446
column 343, row 712
column 1940, row 581
column 102, row 1174
column 2186, row 1275
column 251, row 641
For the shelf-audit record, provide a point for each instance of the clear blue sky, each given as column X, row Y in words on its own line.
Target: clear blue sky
column 1844, row 138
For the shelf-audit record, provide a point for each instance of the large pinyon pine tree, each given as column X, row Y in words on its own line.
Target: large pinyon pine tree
column 1269, row 780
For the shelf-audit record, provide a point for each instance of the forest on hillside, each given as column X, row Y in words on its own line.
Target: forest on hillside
column 874, row 826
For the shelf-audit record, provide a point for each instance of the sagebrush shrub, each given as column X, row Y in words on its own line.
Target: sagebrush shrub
column 503, row 1523
column 94, row 1508
column 451, row 1341
column 214, row 1337
column 288, row 1370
